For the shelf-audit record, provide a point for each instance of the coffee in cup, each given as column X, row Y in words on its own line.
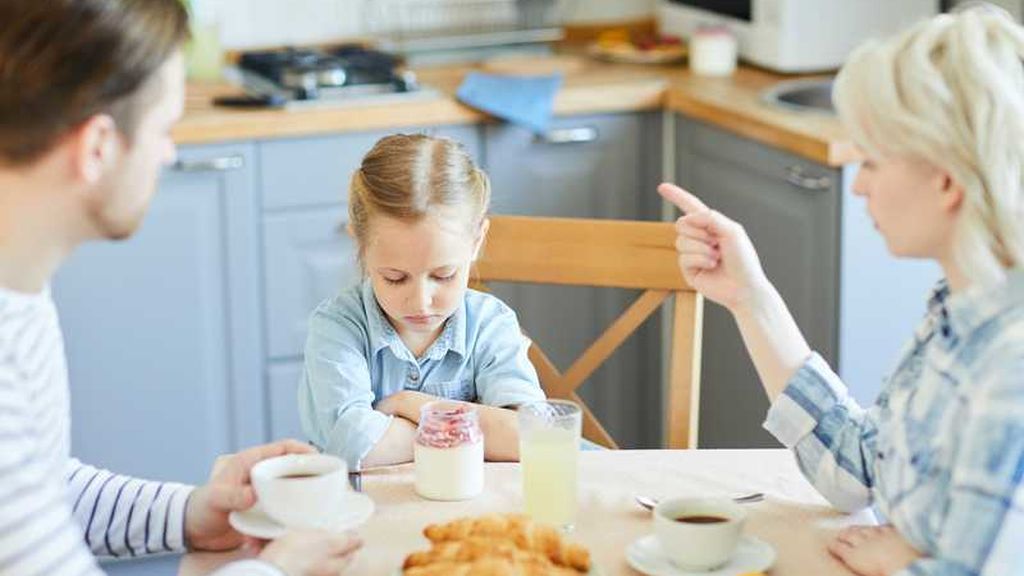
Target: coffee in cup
column 698, row 533
column 301, row 490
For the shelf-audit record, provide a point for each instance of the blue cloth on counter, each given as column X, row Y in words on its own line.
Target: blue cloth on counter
column 524, row 100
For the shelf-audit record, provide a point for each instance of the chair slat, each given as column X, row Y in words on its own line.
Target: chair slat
column 614, row 254
column 612, row 338
column 610, row 253
column 684, row 373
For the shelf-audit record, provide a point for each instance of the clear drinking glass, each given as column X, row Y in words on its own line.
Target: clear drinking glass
column 549, row 445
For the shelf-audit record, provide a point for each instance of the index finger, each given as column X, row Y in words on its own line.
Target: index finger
column 682, row 199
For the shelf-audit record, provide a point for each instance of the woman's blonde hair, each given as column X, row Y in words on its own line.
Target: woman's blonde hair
column 950, row 91
column 404, row 176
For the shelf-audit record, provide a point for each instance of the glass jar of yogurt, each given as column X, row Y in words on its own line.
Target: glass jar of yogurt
column 449, row 452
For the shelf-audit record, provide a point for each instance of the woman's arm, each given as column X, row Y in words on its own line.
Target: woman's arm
column 719, row 261
column 811, row 411
column 501, row 431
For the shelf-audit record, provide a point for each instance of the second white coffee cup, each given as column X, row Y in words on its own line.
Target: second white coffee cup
column 302, row 490
column 698, row 533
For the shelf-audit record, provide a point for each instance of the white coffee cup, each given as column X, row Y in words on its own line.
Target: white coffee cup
column 302, row 490
column 698, row 543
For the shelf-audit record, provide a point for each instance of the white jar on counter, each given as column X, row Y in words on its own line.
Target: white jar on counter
column 449, row 452
column 713, row 51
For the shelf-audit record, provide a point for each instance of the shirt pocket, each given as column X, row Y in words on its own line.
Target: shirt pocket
column 462, row 389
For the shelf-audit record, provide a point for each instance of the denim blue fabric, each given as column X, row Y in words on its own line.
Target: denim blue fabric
column 354, row 358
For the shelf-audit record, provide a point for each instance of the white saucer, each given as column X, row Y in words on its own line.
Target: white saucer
column 752, row 555
column 255, row 522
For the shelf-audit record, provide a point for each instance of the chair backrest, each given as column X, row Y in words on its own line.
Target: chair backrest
column 613, row 254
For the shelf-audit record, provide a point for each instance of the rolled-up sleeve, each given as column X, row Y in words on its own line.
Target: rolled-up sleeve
column 828, row 432
column 335, row 396
column 504, row 374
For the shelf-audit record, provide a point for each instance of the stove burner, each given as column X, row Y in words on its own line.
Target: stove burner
column 312, row 74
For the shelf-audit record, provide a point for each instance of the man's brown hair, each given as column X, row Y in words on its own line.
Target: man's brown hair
column 64, row 61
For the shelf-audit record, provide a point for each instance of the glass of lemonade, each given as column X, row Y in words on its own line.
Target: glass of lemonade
column 549, row 444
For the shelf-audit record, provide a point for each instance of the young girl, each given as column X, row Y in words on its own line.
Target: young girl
column 939, row 114
column 411, row 332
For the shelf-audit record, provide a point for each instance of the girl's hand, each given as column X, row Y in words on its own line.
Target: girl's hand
column 873, row 550
column 405, row 403
column 715, row 253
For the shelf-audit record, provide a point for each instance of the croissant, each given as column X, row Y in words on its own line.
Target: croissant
column 520, row 530
column 490, row 567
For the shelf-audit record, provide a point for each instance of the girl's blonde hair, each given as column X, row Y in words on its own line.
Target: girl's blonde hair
column 404, row 176
column 950, row 91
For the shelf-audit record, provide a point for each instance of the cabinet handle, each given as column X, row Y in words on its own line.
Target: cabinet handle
column 796, row 176
column 218, row 164
column 578, row 135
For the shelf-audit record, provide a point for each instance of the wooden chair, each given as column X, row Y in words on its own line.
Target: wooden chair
column 614, row 254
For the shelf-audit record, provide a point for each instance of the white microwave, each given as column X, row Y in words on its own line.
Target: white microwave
column 794, row 35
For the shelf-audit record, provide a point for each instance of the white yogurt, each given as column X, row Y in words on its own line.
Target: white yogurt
column 454, row 473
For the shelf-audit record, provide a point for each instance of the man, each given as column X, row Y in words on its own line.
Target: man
column 89, row 90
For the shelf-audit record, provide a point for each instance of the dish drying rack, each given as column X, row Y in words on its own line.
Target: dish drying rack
column 416, row 26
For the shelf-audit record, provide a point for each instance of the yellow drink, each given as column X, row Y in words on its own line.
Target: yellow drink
column 548, row 458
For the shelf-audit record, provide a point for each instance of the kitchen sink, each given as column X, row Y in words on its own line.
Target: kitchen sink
column 810, row 95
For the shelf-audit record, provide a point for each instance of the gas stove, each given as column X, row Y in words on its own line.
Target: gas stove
column 346, row 74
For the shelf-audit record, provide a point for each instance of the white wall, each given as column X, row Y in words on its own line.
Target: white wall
column 252, row 23
column 1015, row 7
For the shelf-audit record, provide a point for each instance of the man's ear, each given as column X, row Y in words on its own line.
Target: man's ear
column 95, row 146
column 481, row 237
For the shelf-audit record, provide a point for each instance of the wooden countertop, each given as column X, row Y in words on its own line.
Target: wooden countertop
column 731, row 103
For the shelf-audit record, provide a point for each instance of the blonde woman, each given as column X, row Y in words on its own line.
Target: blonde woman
column 939, row 114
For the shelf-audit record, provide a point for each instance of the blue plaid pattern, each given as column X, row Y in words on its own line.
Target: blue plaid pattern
column 940, row 454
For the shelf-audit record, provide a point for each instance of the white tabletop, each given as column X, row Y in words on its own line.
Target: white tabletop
column 794, row 518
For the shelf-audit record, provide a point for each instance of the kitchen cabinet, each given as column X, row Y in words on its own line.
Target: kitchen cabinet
column 308, row 257
column 853, row 302
column 162, row 330
column 604, row 166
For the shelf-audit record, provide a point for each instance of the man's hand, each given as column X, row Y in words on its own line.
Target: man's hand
column 229, row 489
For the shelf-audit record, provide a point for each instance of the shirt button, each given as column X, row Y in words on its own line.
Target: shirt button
column 414, row 377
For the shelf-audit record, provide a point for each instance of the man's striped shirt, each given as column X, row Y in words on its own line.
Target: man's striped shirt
column 56, row 513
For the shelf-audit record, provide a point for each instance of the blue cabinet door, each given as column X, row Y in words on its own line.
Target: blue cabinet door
column 283, row 380
column 309, row 257
column 162, row 329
